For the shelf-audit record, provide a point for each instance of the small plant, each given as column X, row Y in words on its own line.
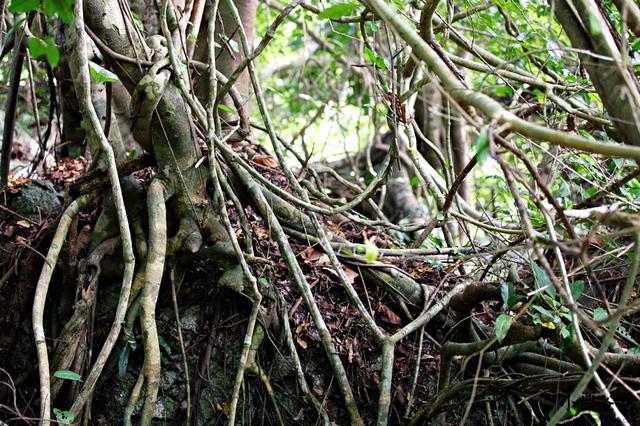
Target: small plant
column 63, row 417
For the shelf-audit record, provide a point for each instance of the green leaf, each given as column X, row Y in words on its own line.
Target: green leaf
column 18, row 6
column 164, row 345
column 509, row 295
column 37, row 47
column 548, row 315
column 634, row 351
column 100, row 74
column 503, row 91
column 636, row 45
column 338, row 11
column 514, row 300
column 123, row 361
column 64, row 417
column 505, row 291
column 263, row 281
column 577, row 288
column 377, row 60
column 226, row 108
column 482, row 146
column 599, row 314
column 139, row 24
column 63, row 8
column 503, row 323
column 68, row 375
column 371, row 251
column 53, row 55
column 373, row 26
column 595, row 416
column 542, row 279
column 44, row 47
column 414, row 181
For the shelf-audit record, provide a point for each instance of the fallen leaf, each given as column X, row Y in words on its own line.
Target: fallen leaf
column 351, row 274
column 387, row 315
column 266, row 161
column 23, row 224
column 301, row 342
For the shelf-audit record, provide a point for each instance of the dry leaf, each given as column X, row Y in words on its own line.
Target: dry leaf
column 266, row 161
column 301, row 342
column 387, row 315
column 351, row 274
column 310, row 254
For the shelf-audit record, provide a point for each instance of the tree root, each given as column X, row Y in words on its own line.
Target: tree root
column 40, row 298
column 305, row 291
column 76, row 329
column 302, row 381
column 153, row 276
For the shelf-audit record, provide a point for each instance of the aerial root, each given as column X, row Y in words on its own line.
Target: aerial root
column 72, row 341
column 40, row 298
column 153, row 276
column 133, row 399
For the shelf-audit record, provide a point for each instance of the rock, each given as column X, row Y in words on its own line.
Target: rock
column 166, row 408
column 37, row 201
column 189, row 319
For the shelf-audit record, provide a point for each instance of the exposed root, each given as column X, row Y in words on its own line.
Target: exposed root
column 153, row 276
column 174, row 299
column 79, row 62
column 40, row 298
column 305, row 290
column 134, row 396
column 302, row 381
column 71, row 342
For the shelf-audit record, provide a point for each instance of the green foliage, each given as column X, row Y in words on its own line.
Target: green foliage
column 371, row 251
column 61, row 8
column 100, row 74
column 226, row 108
column 503, row 323
column 68, row 375
column 123, row 359
column 21, row 6
column 63, row 417
column 338, row 11
column 375, row 59
column 599, row 314
column 509, row 294
column 577, row 288
column 542, row 280
column 482, row 146
column 44, row 47
column 164, row 345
